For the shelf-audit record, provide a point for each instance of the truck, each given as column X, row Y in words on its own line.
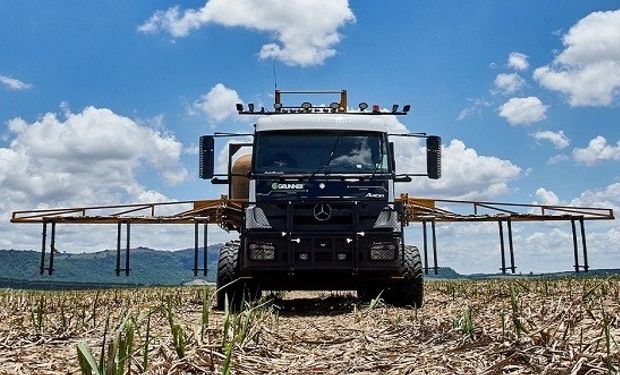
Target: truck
column 311, row 192
column 321, row 210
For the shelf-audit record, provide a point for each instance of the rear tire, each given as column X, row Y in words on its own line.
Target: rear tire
column 410, row 290
column 228, row 283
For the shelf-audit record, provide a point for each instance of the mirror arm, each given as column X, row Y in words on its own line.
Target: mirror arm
column 219, row 181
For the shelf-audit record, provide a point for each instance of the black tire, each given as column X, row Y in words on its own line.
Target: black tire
column 228, row 283
column 410, row 290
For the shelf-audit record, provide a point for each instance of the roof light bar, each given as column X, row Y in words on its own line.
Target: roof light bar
column 307, row 107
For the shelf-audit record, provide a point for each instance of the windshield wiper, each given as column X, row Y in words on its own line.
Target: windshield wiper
column 380, row 161
column 329, row 160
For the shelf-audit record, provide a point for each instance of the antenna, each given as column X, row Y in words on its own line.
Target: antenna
column 275, row 76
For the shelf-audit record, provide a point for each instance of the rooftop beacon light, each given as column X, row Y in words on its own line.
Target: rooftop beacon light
column 306, row 106
column 376, row 108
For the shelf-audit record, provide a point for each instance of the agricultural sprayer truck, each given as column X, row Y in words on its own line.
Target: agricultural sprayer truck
column 311, row 193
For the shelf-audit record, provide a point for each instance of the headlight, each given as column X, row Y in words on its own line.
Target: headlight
column 387, row 219
column 383, row 251
column 255, row 218
column 262, row 251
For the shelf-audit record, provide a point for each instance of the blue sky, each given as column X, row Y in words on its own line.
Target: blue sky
column 523, row 131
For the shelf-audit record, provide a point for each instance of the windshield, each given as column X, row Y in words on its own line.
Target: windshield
column 312, row 153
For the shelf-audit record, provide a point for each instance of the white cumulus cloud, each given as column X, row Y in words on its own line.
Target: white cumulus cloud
column 476, row 107
column 91, row 157
column 588, row 69
column 465, row 173
column 523, row 111
column 518, row 61
column 219, row 103
column 597, row 150
column 607, row 197
column 555, row 159
column 559, row 139
column 508, row 83
column 14, row 83
column 305, row 31
column 546, row 197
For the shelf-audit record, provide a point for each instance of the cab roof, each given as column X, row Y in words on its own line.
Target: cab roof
column 322, row 121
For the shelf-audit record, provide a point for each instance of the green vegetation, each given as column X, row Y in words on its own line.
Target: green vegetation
column 20, row 269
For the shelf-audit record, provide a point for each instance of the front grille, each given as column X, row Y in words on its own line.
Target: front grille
column 342, row 218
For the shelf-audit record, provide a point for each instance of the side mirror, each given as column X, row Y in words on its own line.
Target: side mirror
column 391, row 149
column 206, row 167
column 433, row 157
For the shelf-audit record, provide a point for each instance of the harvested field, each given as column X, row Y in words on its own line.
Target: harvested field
column 503, row 326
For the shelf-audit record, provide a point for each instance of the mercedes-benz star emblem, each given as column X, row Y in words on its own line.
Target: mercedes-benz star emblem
column 322, row 212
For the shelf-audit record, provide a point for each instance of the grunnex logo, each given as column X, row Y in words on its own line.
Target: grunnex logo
column 277, row 186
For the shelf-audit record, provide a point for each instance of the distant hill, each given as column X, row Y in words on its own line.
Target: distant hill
column 148, row 267
column 591, row 273
column 20, row 269
column 444, row 273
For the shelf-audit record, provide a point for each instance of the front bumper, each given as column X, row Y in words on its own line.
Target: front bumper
column 320, row 251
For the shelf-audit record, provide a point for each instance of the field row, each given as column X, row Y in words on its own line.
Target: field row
column 498, row 326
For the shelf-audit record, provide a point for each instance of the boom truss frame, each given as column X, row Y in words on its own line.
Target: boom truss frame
column 228, row 214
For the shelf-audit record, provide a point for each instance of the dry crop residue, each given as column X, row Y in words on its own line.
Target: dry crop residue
column 501, row 326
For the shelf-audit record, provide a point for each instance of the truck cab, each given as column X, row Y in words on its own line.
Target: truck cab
column 320, row 207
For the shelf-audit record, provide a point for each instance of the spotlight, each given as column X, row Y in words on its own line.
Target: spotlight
column 306, row 105
column 406, row 108
column 277, row 107
column 334, row 105
column 363, row 106
column 395, row 108
column 239, row 107
column 251, row 107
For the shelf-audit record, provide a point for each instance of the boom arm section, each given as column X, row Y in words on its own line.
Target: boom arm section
column 426, row 211
column 422, row 209
column 227, row 213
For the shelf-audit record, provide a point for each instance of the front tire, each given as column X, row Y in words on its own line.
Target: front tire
column 229, row 285
column 410, row 290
